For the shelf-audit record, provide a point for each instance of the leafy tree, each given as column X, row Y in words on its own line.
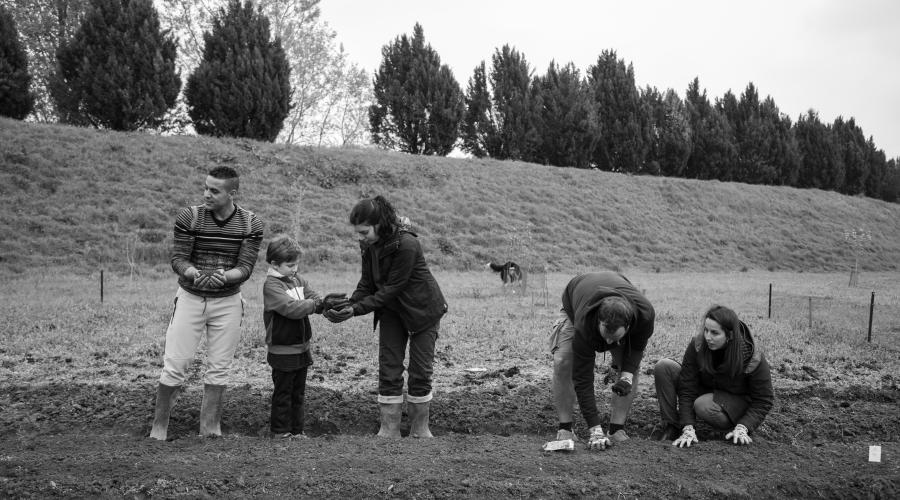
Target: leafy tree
column 820, row 166
column 670, row 136
column 515, row 110
column 418, row 103
column 242, row 86
column 478, row 127
column 622, row 145
column 118, row 71
column 16, row 100
column 43, row 26
column 713, row 152
column 568, row 119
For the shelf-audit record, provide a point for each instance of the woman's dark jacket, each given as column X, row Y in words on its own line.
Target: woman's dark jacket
column 395, row 277
column 753, row 385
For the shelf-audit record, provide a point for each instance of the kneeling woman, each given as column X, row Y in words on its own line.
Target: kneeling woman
column 723, row 379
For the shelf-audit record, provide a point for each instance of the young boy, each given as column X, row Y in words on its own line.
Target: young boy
column 288, row 302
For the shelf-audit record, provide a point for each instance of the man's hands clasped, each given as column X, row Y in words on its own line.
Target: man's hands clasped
column 209, row 278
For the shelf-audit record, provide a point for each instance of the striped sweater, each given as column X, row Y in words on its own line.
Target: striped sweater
column 209, row 244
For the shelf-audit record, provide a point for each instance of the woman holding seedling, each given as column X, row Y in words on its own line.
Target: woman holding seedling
column 398, row 287
column 723, row 379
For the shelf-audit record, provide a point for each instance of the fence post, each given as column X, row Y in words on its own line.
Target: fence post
column 871, row 311
column 101, row 286
column 770, row 301
column 810, row 312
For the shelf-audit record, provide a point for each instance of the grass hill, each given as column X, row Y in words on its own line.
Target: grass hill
column 89, row 199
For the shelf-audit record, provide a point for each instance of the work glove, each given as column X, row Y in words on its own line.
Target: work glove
column 688, row 436
column 739, row 435
column 335, row 301
column 338, row 315
column 622, row 387
column 598, row 439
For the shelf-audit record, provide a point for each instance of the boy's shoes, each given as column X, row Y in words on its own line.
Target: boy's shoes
column 299, row 435
column 619, row 436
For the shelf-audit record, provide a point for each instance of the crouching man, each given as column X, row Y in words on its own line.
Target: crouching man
column 601, row 312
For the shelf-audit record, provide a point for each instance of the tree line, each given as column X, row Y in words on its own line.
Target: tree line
column 603, row 120
column 272, row 70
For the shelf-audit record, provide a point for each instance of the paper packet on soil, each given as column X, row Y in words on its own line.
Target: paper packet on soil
column 561, row 445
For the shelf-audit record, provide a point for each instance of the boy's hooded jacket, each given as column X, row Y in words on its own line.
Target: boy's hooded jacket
column 288, row 302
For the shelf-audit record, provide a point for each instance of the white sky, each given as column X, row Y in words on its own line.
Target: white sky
column 838, row 57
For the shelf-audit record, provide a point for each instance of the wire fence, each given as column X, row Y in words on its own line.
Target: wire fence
column 856, row 313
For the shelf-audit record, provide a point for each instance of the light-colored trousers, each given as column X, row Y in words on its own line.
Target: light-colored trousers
column 194, row 316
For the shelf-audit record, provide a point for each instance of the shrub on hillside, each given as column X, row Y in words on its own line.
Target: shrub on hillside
column 16, row 101
column 118, row 71
column 242, row 86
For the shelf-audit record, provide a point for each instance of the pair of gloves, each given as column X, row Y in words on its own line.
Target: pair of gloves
column 688, row 436
column 622, row 387
column 336, row 307
column 209, row 278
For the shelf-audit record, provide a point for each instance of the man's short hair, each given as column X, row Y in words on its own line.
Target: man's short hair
column 615, row 312
column 228, row 174
column 283, row 249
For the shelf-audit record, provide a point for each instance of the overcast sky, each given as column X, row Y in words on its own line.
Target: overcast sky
column 838, row 57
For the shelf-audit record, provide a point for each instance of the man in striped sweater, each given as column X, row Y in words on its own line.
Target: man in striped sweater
column 214, row 251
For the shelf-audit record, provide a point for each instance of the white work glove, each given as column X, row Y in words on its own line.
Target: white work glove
column 739, row 435
column 598, row 439
column 688, row 436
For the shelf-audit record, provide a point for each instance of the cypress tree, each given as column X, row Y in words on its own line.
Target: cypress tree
column 622, row 145
column 16, row 100
column 418, row 103
column 713, row 152
column 851, row 147
column 241, row 87
column 118, row 71
column 820, row 164
column 568, row 120
column 516, row 111
column 669, row 133
column 478, row 125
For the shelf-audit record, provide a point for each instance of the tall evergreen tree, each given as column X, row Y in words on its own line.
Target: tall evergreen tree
column 16, row 99
column 568, row 119
column 118, row 71
column 242, row 86
column 669, row 137
column 516, row 109
column 820, row 164
column 478, row 124
column 713, row 152
column 877, row 170
column 622, row 146
column 418, row 103
column 851, row 146
column 890, row 188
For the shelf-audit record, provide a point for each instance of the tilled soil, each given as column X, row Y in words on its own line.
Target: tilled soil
column 86, row 440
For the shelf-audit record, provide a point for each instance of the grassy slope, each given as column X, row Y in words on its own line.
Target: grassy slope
column 94, row 199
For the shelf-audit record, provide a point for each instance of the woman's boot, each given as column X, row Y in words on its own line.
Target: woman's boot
column 418, row 419
column 390, row 419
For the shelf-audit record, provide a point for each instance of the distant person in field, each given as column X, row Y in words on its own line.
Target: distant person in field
column 288, row 301
column 723, row 379
column 215, row 249
column 397, row 286
column 601, row 311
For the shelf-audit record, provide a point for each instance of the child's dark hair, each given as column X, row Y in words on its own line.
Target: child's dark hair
column 283, row 249
column 375, row 211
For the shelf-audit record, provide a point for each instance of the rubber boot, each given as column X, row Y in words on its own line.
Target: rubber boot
column 165, row 400
column 390, row 419
column 211, row 410
column 418, row 420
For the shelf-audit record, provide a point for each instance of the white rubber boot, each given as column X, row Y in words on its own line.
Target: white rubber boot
column 165, row 400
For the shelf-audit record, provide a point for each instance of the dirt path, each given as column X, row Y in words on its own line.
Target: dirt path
column 80, row 440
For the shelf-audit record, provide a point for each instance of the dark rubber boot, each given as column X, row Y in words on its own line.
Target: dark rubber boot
column 211, row 410
column 165, row 400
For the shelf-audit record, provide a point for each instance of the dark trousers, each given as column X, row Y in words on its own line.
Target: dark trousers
column 287, row 400
column 392, row 341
